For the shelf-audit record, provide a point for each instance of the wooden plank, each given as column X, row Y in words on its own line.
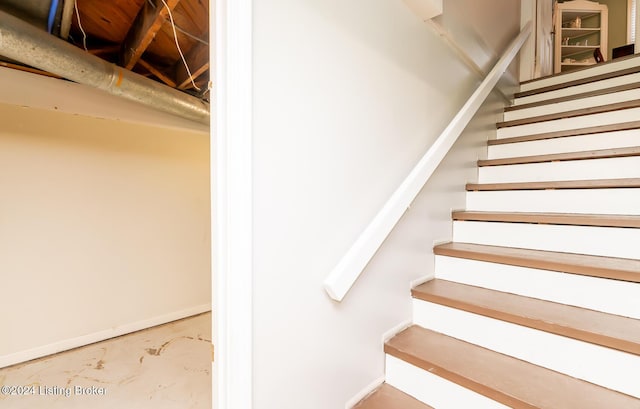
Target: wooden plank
column 598, row 92
column 159, row 74
column 559, row 157
column 598, row 220
column 195, row 17
column 573, row 71
column 566, row 184
column 612, row 331
column 202, row 83
column 571, row 132
column 105, row 50
column 27, row 69
column 144, row 28
column 594, row 266
column 580, row 81
column 571, row 114
column 388, row 397
column 510, row 381
column 107, row 21
column 198, row 62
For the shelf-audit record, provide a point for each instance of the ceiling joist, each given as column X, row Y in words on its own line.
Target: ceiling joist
column 137, row 35
column 109, row 49
column 153, row 70
column 144, row 29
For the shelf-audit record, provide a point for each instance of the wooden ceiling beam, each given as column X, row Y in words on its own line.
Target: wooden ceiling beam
column 198, row 62
column 109, row 49
column 200, row 83
column 143, row 31
column 27, row 69
column 159, row 74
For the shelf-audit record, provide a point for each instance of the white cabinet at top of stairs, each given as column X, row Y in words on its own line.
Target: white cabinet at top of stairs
column 581, row 27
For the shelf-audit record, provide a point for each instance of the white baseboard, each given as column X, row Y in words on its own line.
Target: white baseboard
column 372, row 386
column 366, row 391
column 70, row 343
column 421, row 280
column 396, row 329
column 445, row 240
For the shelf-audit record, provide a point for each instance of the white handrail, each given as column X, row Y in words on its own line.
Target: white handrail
column 347, row 271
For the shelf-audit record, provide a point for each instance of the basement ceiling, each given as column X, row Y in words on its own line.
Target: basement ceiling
column 139, row 35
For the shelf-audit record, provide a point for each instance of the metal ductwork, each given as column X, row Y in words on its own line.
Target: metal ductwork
column 29, row 45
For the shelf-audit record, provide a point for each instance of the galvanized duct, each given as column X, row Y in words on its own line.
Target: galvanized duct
column 27, row 44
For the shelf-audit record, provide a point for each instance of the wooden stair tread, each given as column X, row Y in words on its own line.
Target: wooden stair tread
column 586, row 68
column 510, row 381
column 581, row 264
column 598, row 92
column 388, row 397
column 617, row 106
column 581, row 81
column 625, row 126
column 563, row 184
column 596, row 327
column 558, row 157
column 574, row 219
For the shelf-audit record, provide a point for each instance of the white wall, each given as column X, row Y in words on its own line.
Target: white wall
column 347, row 97
column 104, row 223
column 527, row 55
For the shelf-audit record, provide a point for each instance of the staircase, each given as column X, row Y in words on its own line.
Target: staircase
column 536, row 302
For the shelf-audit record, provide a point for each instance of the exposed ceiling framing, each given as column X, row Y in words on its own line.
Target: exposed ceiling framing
column 144, row 29
column 139, row 35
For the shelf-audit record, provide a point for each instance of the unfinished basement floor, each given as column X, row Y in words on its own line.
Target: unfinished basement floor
column 165, row 367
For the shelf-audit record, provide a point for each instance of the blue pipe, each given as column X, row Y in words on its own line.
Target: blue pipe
column 52, row 15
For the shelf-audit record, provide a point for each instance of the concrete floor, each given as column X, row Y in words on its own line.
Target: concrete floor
column 165, row 367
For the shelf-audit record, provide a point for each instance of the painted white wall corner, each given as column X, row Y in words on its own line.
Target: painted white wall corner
column 425, row 9
column 231, row 211
column 528, row 52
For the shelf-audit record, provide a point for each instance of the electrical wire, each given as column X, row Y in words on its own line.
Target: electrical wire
column 84, row 34
column 175, row 37
column 182, row 30
column 53, row 9
column 188, row 34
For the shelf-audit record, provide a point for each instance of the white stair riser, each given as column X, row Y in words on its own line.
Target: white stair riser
column 606, row 168
column 606, row 140
column 599, row 241
column 565, row 106
column 579, row 89
column 593, row 363
column 432, row 389
column 599, row 294
column 583, row 121
column 579, row 74
column 597, row 201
